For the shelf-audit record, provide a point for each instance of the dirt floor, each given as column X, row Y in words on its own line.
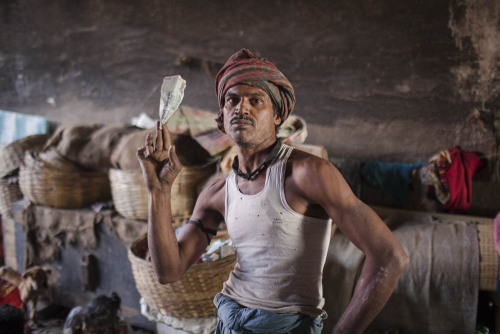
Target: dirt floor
column 50, row 327
column 51, row 321
column 55, row 326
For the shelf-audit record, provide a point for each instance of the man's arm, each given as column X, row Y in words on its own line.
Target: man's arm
column 171, row 255
column 385, row 258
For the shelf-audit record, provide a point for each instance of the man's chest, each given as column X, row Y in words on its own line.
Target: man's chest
column 289, row 189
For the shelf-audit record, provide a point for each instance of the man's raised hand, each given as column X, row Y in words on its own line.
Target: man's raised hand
column 158, row 159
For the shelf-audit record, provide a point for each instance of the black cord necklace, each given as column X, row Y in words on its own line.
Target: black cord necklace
column 251, row 175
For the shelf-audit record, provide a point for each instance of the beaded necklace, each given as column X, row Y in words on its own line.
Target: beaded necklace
column 251, row 175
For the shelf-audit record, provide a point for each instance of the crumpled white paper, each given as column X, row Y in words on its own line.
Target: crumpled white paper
column 172, row 93
column 219, row 249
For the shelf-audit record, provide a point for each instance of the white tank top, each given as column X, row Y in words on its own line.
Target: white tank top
column 281, row 253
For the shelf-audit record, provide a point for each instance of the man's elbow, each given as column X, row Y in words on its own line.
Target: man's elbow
column 165, row 280
column 400, row 260
column 167, row 276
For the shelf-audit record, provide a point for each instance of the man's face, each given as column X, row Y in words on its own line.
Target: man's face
column 249, row 116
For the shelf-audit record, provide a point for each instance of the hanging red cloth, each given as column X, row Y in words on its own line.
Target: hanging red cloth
column 9, row 294
column 458, row 178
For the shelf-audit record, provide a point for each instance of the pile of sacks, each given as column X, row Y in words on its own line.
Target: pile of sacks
column 77, row 159
column 81, row 164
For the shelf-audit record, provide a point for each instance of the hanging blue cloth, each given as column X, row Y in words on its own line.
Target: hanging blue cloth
column 14, row 126
column 395, row 179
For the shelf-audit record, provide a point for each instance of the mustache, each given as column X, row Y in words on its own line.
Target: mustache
column 237, row 118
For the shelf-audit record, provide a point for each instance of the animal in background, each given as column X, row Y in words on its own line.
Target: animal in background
column 32, row 284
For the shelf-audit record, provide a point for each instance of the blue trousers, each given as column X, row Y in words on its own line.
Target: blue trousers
column 236, row 319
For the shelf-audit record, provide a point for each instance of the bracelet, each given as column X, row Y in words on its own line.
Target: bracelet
column 208, row 232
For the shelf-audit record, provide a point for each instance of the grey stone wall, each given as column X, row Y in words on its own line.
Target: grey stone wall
column 389, row 80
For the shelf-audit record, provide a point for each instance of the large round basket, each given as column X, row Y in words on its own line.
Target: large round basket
column 11, row 156
column 191, row 296
column 9, row 193
column 130, row 196
column 69, row 188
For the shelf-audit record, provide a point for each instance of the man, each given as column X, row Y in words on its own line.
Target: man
column 101, row 315
column 12, row 320
column 278, row 204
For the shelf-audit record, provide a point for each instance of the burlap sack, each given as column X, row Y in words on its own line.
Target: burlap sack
column 89, row 145
column 189, row 151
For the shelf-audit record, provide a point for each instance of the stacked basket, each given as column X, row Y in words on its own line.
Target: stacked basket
column 10, row 159
column 9, row 193
column 130, row 195
column 61, row 184
column 191, row 296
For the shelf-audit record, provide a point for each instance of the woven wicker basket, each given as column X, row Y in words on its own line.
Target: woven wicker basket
column 11, row 156
column 488, row 264
column 43, row 183
column 9, row 193
column 131, row 199
column 129, row 193
column 191, row 296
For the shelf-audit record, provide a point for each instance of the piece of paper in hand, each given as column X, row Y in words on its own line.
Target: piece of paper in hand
column 172, row 93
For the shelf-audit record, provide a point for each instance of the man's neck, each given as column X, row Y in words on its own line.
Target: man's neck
column 251, row 157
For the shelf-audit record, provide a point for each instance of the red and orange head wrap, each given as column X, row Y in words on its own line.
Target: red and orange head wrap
column 244, row 68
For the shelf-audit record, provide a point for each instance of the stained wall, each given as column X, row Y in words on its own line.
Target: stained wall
column 388, row 80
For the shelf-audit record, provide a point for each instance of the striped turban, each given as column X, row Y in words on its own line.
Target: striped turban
column 244, row 68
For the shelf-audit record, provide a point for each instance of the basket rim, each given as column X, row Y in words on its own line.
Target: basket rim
column 12, row 154
column 37, row 164
column 194, row 268
column 200, row 265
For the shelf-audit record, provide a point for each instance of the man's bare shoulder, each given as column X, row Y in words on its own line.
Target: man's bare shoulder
column 210, row 205
column 213, row 193
column 310, row 173
column 304, row 162
column 215, row 185
column 317, row 180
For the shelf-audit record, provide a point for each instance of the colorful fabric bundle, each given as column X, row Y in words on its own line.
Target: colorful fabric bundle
column 458, row 178
column 431, row 175
column 449, row 173
column 244, row 68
